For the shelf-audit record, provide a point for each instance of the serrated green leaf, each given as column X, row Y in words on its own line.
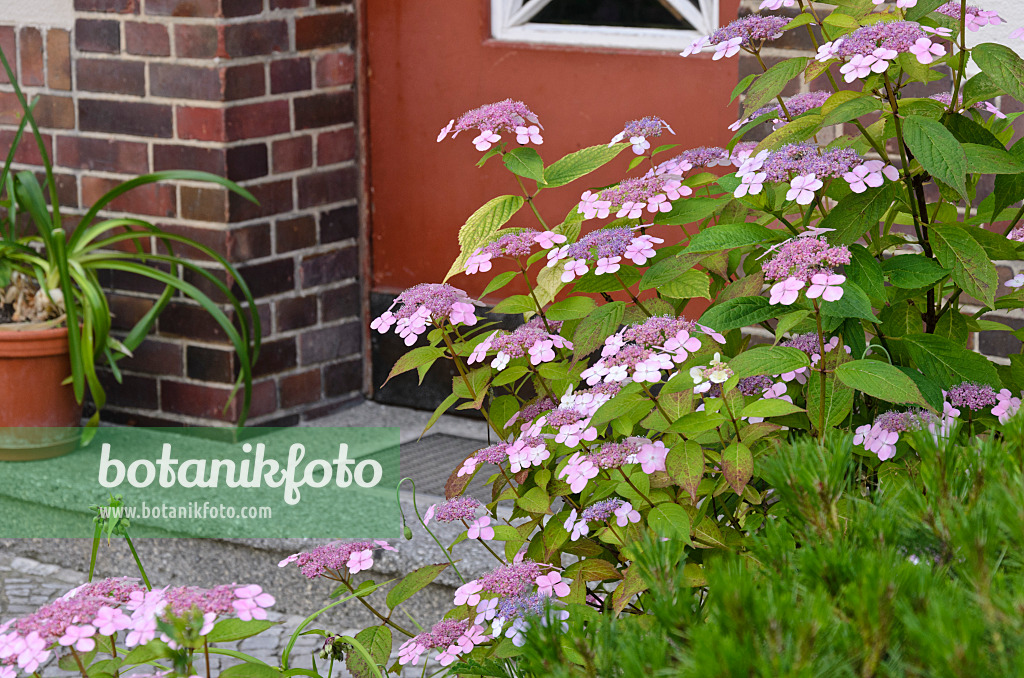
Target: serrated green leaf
column 853, row 304
column 729, row 236
column 518, row 303
column 482, row 226
column 768, row 360
column 987, row 160
column 737, row 466
column 968, row 262
column 685, row 464
column 798, row 130
column 912, row 271
column 691, row 210
column 571, row 309
column 857, row 213
column 949, row 364
column 1002, row 66
column 417, row 357
column 767, row 87
column 769, row 407
column 691, row 284
column 581, row 163
column 228, row 630
column 738, row 312
column 850, row 110
column 498, row 282
column 938, row 151
column 670, row 520
column 525, row 162
column 880, row 380
column 595, row 328
column 413, row 582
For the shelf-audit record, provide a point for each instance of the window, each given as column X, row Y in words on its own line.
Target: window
column 636, row 24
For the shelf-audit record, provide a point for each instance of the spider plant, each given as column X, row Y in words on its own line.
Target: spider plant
column 66, row 260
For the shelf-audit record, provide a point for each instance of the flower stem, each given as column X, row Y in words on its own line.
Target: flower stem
column 416, row 508
column 632, row 296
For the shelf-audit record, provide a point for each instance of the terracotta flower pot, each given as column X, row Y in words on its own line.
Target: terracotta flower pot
column 39, row 417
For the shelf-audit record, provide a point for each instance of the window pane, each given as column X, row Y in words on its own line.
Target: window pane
column 625, row 13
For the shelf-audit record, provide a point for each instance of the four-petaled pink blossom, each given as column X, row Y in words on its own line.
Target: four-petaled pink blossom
column 695, row 46
column 468, row 593
column 626, row 514
column 829, row 50
column 631, row 210
column 728, row 48
column 462, row 312
column 473, row 636
column 607, row 265
column 682, row 345
column 859, row 66
column 641, row 248
column 33, row 653
column 531, row 134
column 940, row 31
column 548, row 239
column 542, row 352
column 776, row 4
column 445, row 130
column 883, row 55
column 802, row 189
column 384, row 322
column 359, row 561
column 750, row 184
column 110, row 620
column 786, row 292
column 481, row 529
column 478, row 262
column 486, row 138
column 640, row 145
column 551, row 584
column 927, row 51
column 1006, row 406
column 592, row 206
column 651, row 456
column 828, row 287
column 409, row 652
column 80, row 637
column 577, row 528
column 574, row 268
column 252, row 602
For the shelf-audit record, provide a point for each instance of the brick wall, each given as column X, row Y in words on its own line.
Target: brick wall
column 996, row 345
column 259, row 91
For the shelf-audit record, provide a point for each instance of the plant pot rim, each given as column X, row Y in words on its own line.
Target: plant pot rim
column 33, row 342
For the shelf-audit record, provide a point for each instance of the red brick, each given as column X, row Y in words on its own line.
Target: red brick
column 119, row 6
column 340, row 302
column 98, row 35
column 326, row 344
column 27, row 151
column 324, row 110
column 295, row 234
column 154, row 356
column 185, row 82
column 290, row 75
column 343, row 378
column 201, row 124
column 320, row 269
column 236, row 8
column 111, row 75
column 299, row 389
column 58, row 59
column 9, row 45
column 322, row 187
column 55, row 111
column 152, row 199
column 324, row 30
column 335, row 147
column 252, row 121
column 208, row 402
column 335, row 70
column 146, row 39
column 204, row 204
column 192, row 41
column 244, row 82
column 125, row 117
column 102, row 154
column 182, row 319
column 339, row 224
column 32, row 67
column 248, row 242
column 271, row 277
column 275, row 197
column 288, row 4
column 126, row 311
column 10, row 108
column 255, row 38
column 132, row 391
column 278, row 355
column 213, row 237
column 210, row 364
column 295, row 313
column 179, row 156
column 183, row 8
column 247, row 162
column 293, row 154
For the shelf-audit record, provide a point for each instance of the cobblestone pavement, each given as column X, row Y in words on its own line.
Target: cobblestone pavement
column 27, row 584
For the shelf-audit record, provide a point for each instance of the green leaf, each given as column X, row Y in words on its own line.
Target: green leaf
column 865, row 272
column 498, row 282
column 689, row 285
column 771, row 83
column 912, row 271
column 482, row 227
column 669, row 269
column 729, row 236
column 670, row 520
column 692, row 210
column 413, row 582
column 376, row 641
column 838, row 400
column 856, row 213
column 742, row 85
column 797, row 130
column 571, row 308
column 979, row 88
column 880, row 380
column 525, row 162
column 581, row 163
column 685, row 464
column 850, row 110
column 228, row 630
column 938, row 151
column 971, row 268
column 738, row 312
column 417, row 357
column 800, row 20
column 595, row 328
column 988, row 160
column 518, row 303
column 996, row 245
column 1003, row 67
column 1009, row 188
column 769, row 407
column 768, row 360
column 249, row 670
column 950, row 364
column 923, row 8
column 969, row 132
column 536, row 500
column 441, row 409
column 853, row 304
column 737, row 466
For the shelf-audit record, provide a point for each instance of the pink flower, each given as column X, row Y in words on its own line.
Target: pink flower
column 1017, row 33
column 592, row 206
column 993, row 110
column 695, row 46
column 927, row 51
column 631, row 210
column 607, row 265
column 681, row 345
column 468, row 593
column 542, row 352
column 481, row 529
column 359, row 561
column 802, row 189
column 479, row 353
column 578, row 472
column 625, row 514
column 1006, row 407
column 778, row 4
column 711, row 333
column 574, row 268
column 409, row 652
column 551, row 584
column 641, row 248
column 33, row 654
column 640, row 145
column 751, row 184
column 884, row 56
column 906, row 4
column 430, row 512
column 829, row 50
column 548, row 239
column 290, row 559
column 531, row 134
column 858, row 67
column 786, row 292
column 384, row 322
column 473, row 636
column 478, row 262
column 109, row 620
column 80, row 637
column 445, row 130
column 577, row 528
column 448, row 656
column 252, row 601
column 651, row 456
column 728, row 48
column 462, row 312
column 660, row 203
column 486, row 138
column 940, row 31
column 828, row 287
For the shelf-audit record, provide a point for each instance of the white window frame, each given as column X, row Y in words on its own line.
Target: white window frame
column 510, row 21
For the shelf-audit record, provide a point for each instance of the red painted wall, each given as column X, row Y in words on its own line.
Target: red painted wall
column 430, row 62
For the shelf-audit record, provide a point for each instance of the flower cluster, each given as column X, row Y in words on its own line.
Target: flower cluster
column 535, row 338
column 872, row 49
column 716, row 373
column 622, row 511
column 810, row 165
column 795, row 105
column 976, row 18
column 332, row 558
column 881, row 436
column 502, row 116
column 451, row 637
column 972, row 396
column 749, row 33
column 639, row 131
column 455, row 509
column 608, row 246
column 652, row 191
column 515, row 244
column 425, row 303
column 946, row 98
